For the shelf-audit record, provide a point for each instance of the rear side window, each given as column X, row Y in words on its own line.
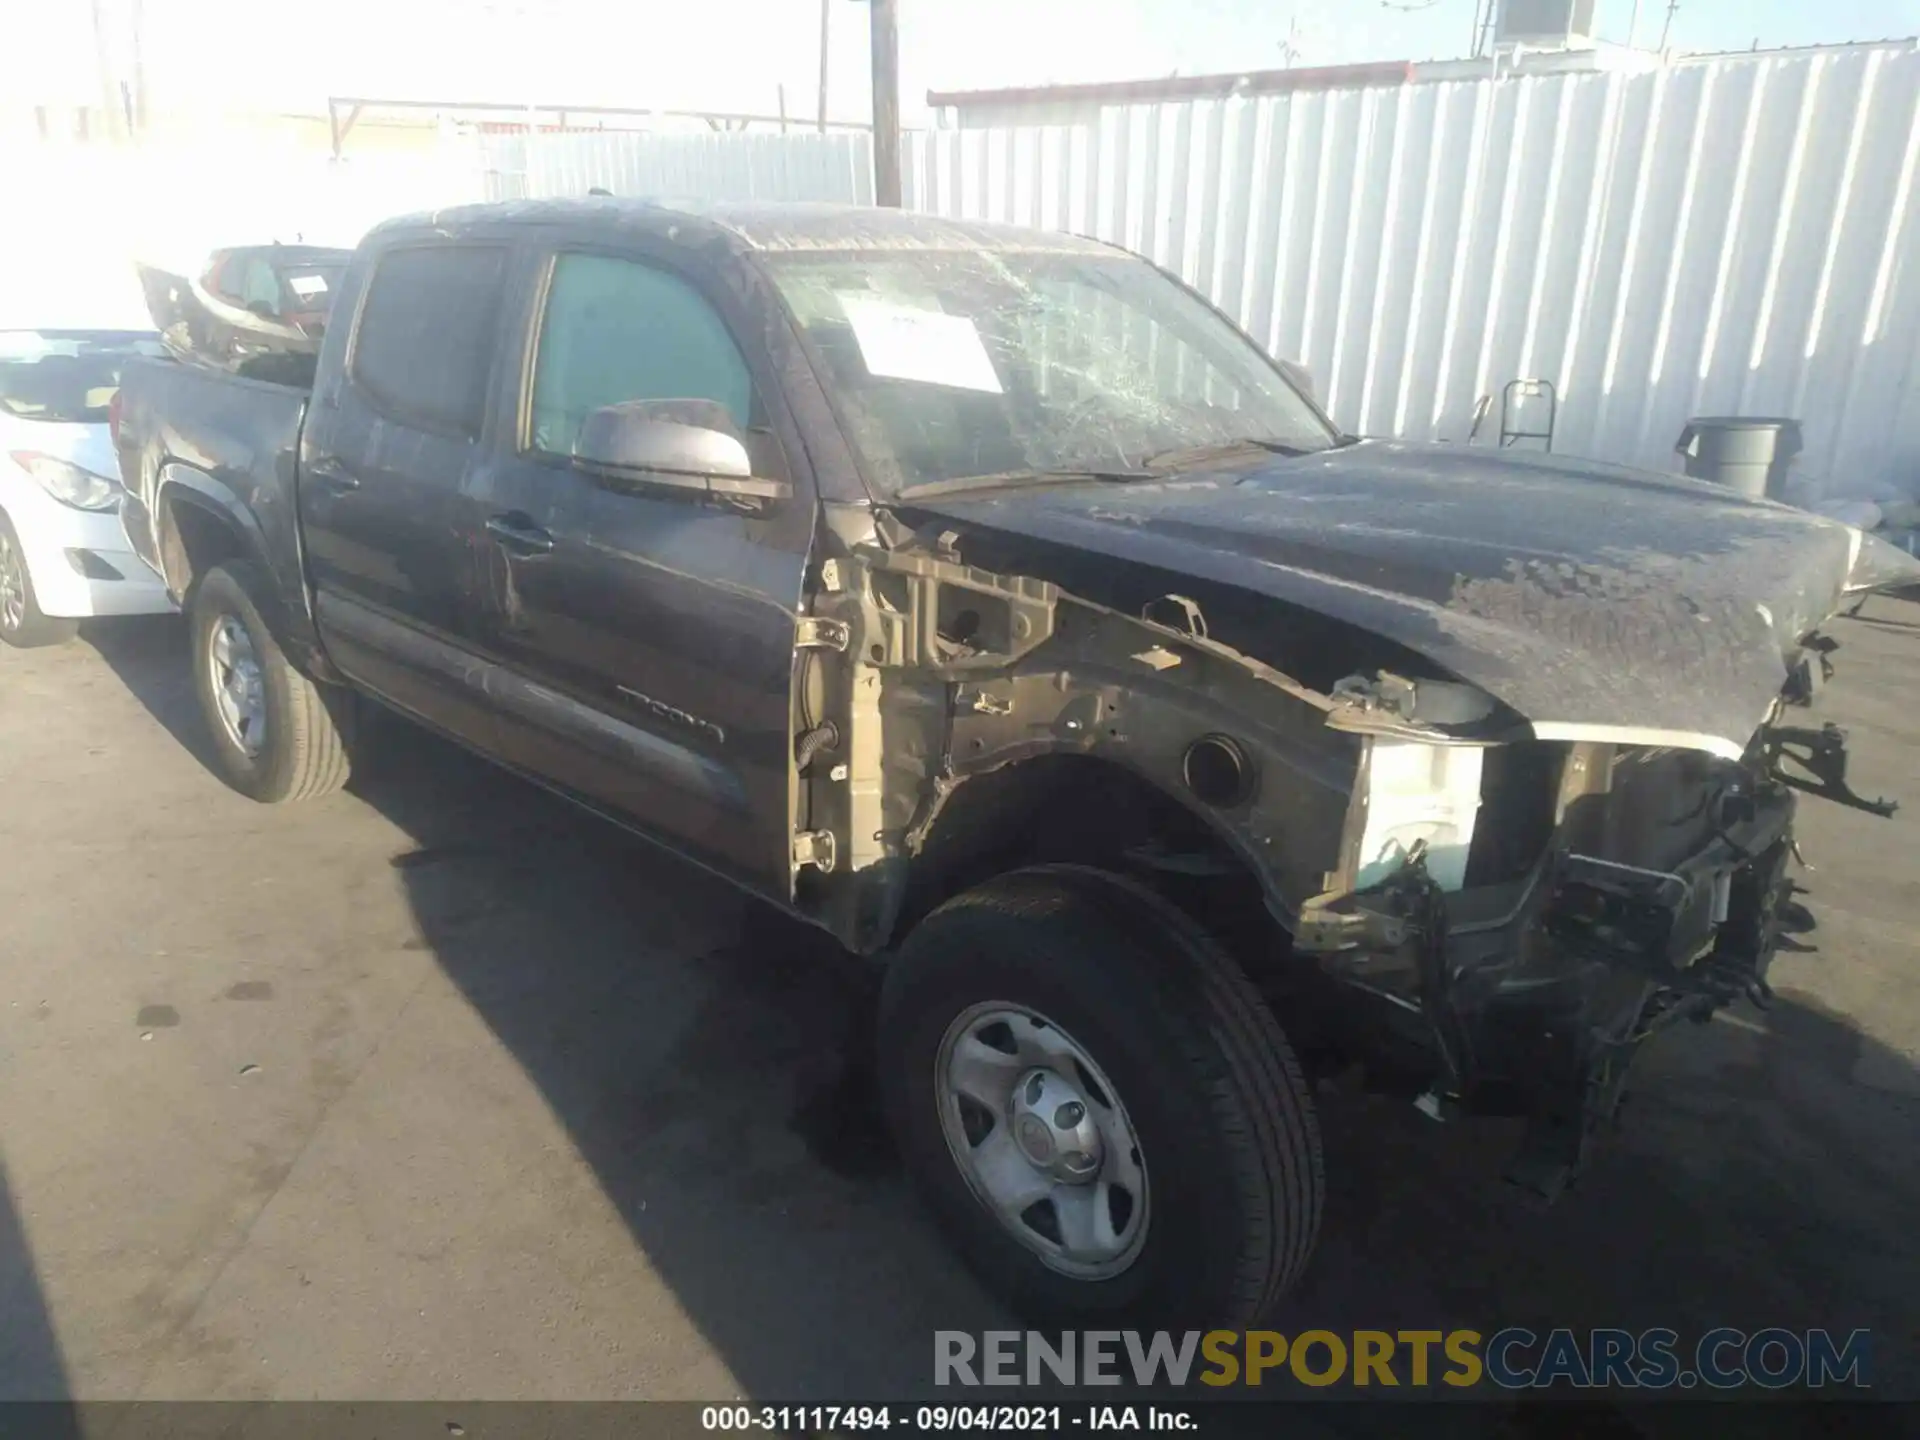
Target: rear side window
column 224, row 278
column 425, row 340
column 260, row 286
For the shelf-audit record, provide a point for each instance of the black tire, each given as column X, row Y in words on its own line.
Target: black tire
column 1224, row 1119
column 304, row 752
column 32, row 628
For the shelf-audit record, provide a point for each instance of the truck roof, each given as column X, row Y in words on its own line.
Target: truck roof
column 750, row 225
column 285, row 254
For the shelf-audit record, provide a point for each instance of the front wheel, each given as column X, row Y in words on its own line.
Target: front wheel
column 277, row 735
column 23, row 624
column 1102, row 1112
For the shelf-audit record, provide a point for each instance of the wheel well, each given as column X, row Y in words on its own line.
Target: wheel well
column 1084, row 810
column 193, row 540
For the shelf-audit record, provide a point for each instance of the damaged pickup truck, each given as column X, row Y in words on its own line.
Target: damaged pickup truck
column 987, row 599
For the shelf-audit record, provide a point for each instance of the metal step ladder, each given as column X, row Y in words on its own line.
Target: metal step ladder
column 1521, row 391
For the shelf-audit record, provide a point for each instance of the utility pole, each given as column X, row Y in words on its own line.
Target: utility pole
column 1666, row 30
column 826, row 13
column 139, row 26
column 886, row 102
column 110, row 98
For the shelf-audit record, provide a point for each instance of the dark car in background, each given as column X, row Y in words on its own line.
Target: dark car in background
column 290, row 286
column 251, row 301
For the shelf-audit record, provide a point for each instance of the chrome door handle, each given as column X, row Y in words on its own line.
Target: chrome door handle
column 519, row 535
column 329, row 474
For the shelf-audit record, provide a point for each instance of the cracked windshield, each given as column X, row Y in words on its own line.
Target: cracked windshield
column 949, row 366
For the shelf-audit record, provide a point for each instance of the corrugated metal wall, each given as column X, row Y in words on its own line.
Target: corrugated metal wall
column 1739, row 235
column 684, row 167
column 1728, row 237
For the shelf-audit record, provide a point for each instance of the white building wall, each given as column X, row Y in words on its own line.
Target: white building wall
column 1731, row 236
column 715, row 166
column 1736, row 236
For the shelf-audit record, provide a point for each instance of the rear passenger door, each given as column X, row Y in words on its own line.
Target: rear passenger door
column 646, row 637
column 387, row 448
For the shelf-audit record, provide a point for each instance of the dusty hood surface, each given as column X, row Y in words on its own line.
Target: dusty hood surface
column 1589, row 598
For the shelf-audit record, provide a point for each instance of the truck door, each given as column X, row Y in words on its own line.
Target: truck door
column 645, row 640
column 389, row 440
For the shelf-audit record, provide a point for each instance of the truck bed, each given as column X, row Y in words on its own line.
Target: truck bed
column 191, row 437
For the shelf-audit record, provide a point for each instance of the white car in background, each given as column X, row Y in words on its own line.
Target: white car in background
column 63, row 554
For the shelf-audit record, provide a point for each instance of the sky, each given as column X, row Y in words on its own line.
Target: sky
column 738, row 54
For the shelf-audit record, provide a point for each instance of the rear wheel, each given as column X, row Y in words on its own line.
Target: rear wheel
column 23, row 624
column 277, row 735
column 1102, row 1112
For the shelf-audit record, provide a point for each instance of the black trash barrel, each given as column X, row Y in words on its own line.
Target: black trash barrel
column 1750, row 454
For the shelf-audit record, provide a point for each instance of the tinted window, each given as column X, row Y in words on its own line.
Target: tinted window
column 425, row 341
column 67, row 375
column 617, row 330
column 260, row 286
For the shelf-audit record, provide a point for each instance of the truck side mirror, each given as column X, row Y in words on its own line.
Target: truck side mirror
column 684, row 447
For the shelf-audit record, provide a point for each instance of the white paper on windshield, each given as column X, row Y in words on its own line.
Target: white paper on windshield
column 902, row 343
column 308, row 286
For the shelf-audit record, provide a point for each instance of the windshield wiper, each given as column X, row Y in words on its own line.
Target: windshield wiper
column 1217, row 448
column 1016, row 479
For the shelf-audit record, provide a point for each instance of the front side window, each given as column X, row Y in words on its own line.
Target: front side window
column 618, row 330
column 954, row 364
column 425, row 341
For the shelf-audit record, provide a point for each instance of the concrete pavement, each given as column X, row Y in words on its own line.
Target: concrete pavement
column 438, row 1089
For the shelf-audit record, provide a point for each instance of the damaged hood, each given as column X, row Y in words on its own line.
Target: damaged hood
column 1598, row 602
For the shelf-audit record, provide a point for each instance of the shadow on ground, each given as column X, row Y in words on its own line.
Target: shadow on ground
column 31, row 1367
column 150, row 655
column 1766, row 1174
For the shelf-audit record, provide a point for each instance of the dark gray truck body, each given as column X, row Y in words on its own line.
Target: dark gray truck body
column 228, row 446
column 1205, row 672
